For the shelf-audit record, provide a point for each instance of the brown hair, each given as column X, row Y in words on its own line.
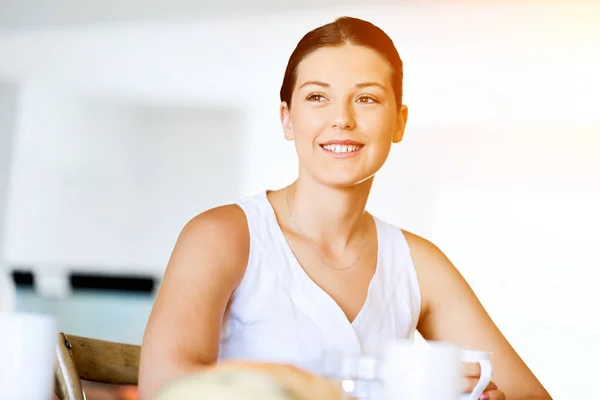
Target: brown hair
column 343, row 31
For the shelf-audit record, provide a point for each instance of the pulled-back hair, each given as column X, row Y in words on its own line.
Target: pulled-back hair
column 344, row 31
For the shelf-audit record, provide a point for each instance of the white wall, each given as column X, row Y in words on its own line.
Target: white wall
column 531, row 256
column 8, row 109
column 107, row 186
column 500, row 163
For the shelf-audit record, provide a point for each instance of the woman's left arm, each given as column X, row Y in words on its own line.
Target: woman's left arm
column 452, row 313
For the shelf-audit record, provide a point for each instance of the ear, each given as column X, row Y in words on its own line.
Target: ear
column 286, row 121
column 400, row 124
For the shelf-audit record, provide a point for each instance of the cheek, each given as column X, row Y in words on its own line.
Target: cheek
column 307, row 127
column 380, row 127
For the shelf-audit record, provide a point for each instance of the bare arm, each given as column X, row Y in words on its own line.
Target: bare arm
column 450, row 306
column 207, row 264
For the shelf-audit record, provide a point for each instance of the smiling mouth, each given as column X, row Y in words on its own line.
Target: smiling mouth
column 342, row 148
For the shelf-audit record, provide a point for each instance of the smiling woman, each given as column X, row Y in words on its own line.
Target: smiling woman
column 291, row 275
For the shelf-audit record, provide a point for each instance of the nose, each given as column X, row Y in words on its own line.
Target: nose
column 344, row 117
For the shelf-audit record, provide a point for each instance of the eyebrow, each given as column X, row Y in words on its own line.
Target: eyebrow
column 318, row 83
column 367, row 84
column 358, row 85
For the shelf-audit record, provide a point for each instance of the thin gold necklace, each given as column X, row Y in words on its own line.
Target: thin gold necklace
column 296, row 227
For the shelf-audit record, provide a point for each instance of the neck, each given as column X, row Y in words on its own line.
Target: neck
column 328, row 214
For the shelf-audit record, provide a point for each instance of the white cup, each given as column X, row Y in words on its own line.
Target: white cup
column 483, row 358
column 27, row 356
column 415, row 371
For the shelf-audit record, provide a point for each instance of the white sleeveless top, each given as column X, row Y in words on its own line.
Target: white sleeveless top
column 278, row 313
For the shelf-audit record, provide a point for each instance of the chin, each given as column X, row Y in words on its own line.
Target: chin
column 344, row 174
column 344, row 180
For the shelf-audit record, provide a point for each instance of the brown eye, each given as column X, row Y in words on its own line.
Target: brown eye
column 315, row 97
column 366, row 99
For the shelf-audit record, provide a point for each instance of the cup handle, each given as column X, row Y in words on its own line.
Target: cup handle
column 484, row 379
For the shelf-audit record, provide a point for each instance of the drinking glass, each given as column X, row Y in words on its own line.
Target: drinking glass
column 358, row 375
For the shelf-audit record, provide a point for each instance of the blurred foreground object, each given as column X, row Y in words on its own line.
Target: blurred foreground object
column 238, row 380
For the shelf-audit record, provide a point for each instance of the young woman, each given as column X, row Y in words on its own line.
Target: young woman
column 292, row 274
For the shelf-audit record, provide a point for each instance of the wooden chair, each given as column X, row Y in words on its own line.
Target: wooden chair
column 84, row 359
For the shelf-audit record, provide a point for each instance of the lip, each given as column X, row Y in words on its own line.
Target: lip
column 344, row 142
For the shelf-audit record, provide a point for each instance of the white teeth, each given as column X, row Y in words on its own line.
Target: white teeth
column 341, row 148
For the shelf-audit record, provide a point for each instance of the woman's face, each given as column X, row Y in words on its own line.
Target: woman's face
column 344, row 116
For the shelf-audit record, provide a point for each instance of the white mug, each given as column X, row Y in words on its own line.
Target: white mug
column 483, row 358
column 421, row 371
column 27, row 356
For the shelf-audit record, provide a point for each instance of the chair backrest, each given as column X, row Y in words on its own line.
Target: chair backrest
column 93, row 360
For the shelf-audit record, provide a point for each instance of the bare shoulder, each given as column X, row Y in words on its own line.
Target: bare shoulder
column 210, row 256
column 419, row 244
column 221, row 221
column 426, row 255
column 435, row 272
column 218, row 237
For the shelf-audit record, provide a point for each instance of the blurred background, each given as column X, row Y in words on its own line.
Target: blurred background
column 121, row 120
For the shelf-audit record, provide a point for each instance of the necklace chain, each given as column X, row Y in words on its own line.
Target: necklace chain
column 297, row 228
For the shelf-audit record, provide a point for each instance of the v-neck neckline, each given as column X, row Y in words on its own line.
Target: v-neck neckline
column 311, row 285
